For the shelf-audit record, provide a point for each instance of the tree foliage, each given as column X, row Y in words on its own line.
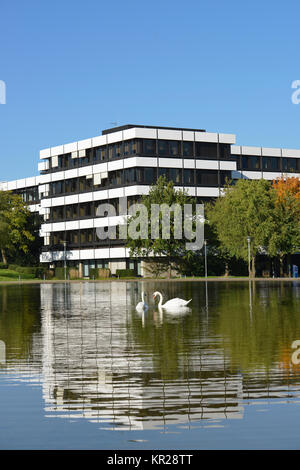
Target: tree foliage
column 15, row 233
column 171, row 248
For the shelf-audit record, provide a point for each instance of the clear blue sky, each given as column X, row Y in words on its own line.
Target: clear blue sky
column 72, row 68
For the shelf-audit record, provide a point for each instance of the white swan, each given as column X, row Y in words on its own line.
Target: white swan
column 142, row 306
column 173, row 304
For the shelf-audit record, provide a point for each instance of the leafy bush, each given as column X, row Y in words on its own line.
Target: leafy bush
column 125, row 273
column 13, row 267
column 26, row 270
column 3, row 266
column 96, row 273
column 60, row 273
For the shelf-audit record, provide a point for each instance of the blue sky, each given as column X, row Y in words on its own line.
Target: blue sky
column 72, row 68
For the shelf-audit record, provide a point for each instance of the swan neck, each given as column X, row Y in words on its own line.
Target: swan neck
column 160, row 299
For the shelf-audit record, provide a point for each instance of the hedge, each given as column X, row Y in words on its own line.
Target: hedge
column 3, row 266
column 60, row 273
column 125, row 273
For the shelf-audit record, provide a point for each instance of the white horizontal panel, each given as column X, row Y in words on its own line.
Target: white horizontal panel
column 85, row 197
column 85, row 170
column 11, row 185
column 129, row 134
column 71, row 147
column 45, row 153
column 188, row 135
column 84, row 144
column 130, row 162
column 44, row 165
column 71, row 199
column 208, row 192
column 58, row 226
column 21, row 183
column 206, row 137
column 58, row 176
column 99, row 195
column 136, row 190
column 46, row 202
column 99, row 168
column 99, row 140
column 116, row 192
column 101, row 222
column 86, row 223
column 227, row 138
column 71, row 173
column 3, row 186
column 146, row 133
column 290, row 153
column 271, row 175
column 58, row 201
column 252, row 175
column 227, row 165
column 169, row 134
column 235, row 149
column 145, row 161
column 170, row 162
column 45, row 178
column 86, row 254
column 114, row 137
column 73, row 255
column 271, row 152
column 250, row 150
column 117, row 252
column 207, row 164
column 115, row 165
column 188, row 163
column 101, row 253
column 34, row 207
column 72, row 225
column 54, row 151
column 190, row 191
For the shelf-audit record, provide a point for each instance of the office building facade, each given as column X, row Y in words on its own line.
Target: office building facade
column 121, row 164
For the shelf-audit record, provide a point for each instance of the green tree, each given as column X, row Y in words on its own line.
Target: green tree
column 245, row 210
column 15, row 235
column 170, row 249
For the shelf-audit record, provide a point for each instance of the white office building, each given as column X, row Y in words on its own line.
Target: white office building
column 123, row 162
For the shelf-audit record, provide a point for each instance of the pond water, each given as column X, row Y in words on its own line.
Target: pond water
column 81, row 369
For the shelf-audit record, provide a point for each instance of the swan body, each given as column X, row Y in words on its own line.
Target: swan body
column 173, row 304
column 142, row 306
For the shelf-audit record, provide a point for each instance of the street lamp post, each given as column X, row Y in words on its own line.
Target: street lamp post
column 249, row 255
column 205, row 256
column 65, row 260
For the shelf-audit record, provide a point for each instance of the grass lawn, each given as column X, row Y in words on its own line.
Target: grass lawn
column 10, row 275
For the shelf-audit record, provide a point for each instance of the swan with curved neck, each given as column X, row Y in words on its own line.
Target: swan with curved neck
column 173, row 304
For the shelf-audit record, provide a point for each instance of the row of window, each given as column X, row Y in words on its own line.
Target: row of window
column 86, row 209
column 29, row 195
column 136, row 175
column 84, row 237
column 280, row 164
column 147, row 147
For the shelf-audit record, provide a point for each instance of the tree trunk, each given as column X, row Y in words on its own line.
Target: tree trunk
column 253, row 270
column 289, row 264
column 281, row 256
column 226, row 270
column 3, row 256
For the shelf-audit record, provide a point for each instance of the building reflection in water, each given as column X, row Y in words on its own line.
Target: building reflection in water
column 97, row 358
column 96, row 366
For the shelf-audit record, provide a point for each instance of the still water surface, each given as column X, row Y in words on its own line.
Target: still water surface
column 81, row 369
